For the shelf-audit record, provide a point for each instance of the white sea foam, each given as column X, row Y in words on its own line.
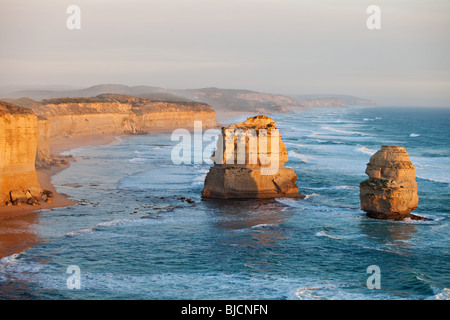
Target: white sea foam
column 11, row 259
column 344, row 131
column 414, row 135
column 443, row 295
column 138, row 160
column 311, row 195
column 78, row 232
column 366, row 150
column 438, row 179
column 191, row 286
column 435, row 169
column 106, row 224
column 288, row 143
column 291, row 202
column 74, row 151
column 301, row 157
column 264, row 226
column 369, row 119
column 313, row 134
column 298, row 129
column 322, row 233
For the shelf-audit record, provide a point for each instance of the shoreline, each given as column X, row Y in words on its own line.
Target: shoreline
column 64, row 145
column 16, row 223
column 44, row 175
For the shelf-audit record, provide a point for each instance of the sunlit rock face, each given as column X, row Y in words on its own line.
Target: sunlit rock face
column 391, row 190
column 249, row 163
column 18, row 145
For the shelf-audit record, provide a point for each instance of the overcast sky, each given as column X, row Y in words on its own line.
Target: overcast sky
column 276, row 46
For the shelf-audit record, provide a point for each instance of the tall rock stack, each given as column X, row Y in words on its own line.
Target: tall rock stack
column 391, row 190
column 249, row 163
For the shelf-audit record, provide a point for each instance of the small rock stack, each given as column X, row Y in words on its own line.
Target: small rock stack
column 241, row 169
column 391, row 190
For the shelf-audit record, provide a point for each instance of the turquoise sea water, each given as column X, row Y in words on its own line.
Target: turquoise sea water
column 129, row 243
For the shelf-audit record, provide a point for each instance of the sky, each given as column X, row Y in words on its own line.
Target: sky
column 274, row 46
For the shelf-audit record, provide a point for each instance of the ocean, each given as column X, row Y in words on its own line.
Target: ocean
column 132, row 237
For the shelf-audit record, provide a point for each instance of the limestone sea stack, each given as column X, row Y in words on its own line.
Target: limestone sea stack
column 249, row 163
column 391, row 190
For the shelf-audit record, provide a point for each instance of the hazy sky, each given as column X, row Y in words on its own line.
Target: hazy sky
column 272, row 46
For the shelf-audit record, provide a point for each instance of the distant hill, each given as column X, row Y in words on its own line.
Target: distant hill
column 221, row 100
column 87, row 92
column 331, row 100
column 240, row 100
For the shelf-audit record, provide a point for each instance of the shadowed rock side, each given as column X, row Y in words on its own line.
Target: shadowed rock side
column 238, row 171
column 391, row 190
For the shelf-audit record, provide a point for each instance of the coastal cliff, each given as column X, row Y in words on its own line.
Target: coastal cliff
column 120, row 114
column 111, row 114
column 27, row 132
column 391, row 190
column 18, row 144
column 249, row 163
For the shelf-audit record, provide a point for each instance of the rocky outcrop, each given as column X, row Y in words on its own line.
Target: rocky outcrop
column 391, row 190
column 249, row 163
column 18, row 145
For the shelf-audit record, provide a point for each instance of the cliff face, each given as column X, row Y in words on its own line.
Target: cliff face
column 112, row 114
column 119, row 114
column 249, row 163
column 43, row 150
column 391, row 190
column 18, row 144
